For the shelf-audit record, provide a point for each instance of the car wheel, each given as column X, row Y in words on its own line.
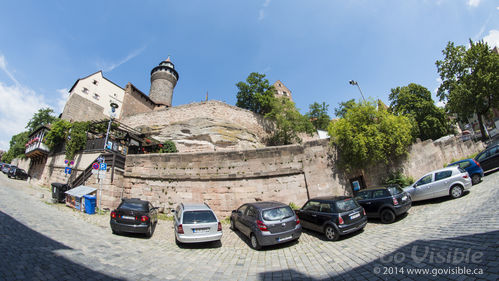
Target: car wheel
column 387, row 216
column 149, row 231
column 331, row 233
column 456, row 191
column 232, row 225
column 254, row 242
column 476, row 178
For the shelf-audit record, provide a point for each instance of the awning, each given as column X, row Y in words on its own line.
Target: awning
column 81, row 190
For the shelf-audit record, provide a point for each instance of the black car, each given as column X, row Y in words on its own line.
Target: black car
column 489, row 158
column 135, row 216
column 266, row 223
column 385, row 203
column 17, row 173
column 334, row 216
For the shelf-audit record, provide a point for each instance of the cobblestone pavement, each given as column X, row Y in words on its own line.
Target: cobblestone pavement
column 451, row 239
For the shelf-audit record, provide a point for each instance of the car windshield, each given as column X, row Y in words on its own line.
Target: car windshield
column 394, row 190
column 191, row 217
column 134, row 206
column 346, row 205
column 277, row 214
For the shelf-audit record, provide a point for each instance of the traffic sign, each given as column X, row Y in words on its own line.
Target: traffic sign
column 103, row 166
column 66, row 161
column 95, row 166
column 67, row 171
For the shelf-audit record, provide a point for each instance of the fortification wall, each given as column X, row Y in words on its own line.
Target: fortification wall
column 225, row 180
column 203, row 126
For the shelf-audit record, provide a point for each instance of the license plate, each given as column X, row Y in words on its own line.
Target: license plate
column 355, row 216
column 128, row 217
column 200, row 230
column 284, row 238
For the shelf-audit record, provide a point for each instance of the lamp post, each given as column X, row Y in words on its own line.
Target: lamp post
column 112, row 113
column 352, row 82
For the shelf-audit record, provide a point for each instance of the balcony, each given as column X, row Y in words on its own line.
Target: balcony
column 36, row 149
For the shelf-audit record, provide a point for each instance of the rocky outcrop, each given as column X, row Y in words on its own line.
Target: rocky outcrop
column 204, row 126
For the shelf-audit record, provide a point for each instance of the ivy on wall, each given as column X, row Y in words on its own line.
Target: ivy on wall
column 74, row 134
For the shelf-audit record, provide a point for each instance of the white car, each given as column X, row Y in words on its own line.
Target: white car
column 196, row 223
column 451, row 181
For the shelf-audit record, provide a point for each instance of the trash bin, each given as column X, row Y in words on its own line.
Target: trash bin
column 58, row 190
column 90, row 204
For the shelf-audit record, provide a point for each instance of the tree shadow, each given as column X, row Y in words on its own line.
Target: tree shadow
column 29, row 255
column 438, row 200
column 266, row 248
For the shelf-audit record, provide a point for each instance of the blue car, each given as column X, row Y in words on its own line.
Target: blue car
column 472, row 167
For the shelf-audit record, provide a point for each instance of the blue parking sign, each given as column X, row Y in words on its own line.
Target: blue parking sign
column 103, row 166
column 67, row 171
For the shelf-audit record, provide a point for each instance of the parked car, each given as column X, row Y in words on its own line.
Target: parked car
column 451, row 181
column 134, row 216
column 5, row 168
column 472, row 167
column 489, row 158
column 194, row 223
column 334, row 216
column 266, row 223
column 17, row 173
column 385, row 203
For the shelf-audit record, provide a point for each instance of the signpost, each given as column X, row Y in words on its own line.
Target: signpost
column 67, row 170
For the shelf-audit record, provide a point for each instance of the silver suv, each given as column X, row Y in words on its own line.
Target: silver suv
column 195, row 223
column 451, row 181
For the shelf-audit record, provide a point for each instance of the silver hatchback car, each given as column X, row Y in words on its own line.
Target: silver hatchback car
column 451, row 181
column 196, row 223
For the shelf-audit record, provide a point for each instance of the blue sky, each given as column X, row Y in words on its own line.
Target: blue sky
column 313, row 47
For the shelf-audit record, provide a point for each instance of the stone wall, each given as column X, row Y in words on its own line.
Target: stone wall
column 203, row 126
column 225, row 180
column 422, row 158
column 54, row 168
column 135, row 102
column 78, row 108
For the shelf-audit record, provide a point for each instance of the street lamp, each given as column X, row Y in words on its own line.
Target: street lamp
column 352, row 82
column 112, row 114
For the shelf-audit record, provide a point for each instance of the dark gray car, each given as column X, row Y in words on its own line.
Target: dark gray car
column 266, row 223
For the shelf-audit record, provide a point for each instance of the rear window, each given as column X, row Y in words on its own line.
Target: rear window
column 461, row 170
column 277, row 214
column 394, row 190
column 134, row 206
column 192, row 217
column 346, row 205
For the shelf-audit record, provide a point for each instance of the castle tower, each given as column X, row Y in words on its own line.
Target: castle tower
column 164, row 77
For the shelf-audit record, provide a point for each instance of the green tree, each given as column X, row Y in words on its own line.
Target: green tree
column 256, row 94
column 16, row 147
column 343, row 107
column 317, row 114
column 366, row 135
column 288, row 122
column 58, row 133
column 42, row 117
column 167, row 147
column 470, row 80
column 415, row 102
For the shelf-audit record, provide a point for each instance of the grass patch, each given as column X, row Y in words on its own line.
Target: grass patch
column 165, row 217
column 226, row 220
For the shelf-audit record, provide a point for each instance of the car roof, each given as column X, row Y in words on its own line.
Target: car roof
column 135, row 200
column 460, row 161
column 195, row 206
column 380, row 187
column 443, row 169
column 331, row 198
column 266, row 204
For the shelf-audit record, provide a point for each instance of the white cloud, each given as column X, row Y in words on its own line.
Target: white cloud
column 3, row 66
column 61, row 101
column 473, row 3
column 492, row 38
column 16, row 109
column 261, row 13
column 109, row 66
column 18, row 105
column 441, row 104
column 439, row 81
